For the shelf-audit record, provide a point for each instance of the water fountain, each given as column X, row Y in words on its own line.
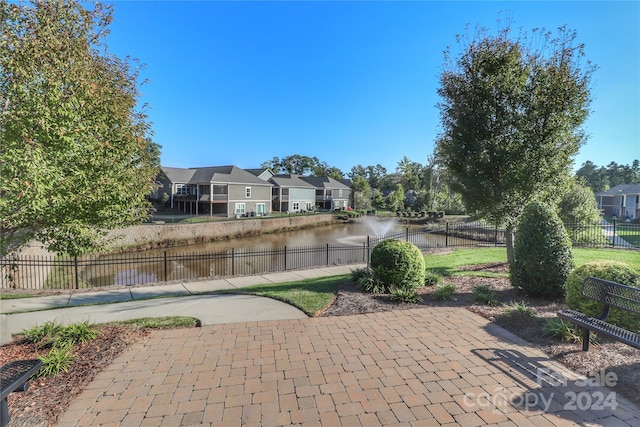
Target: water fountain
column 373, row 227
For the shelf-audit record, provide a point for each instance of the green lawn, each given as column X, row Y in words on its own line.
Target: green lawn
column 309, row 295
column 447, row 263
column 630, row 233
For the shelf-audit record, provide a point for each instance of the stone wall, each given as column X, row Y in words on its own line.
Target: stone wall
column 166, row 235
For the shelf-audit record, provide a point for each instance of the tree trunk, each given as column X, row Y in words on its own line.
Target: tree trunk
column 509, row 236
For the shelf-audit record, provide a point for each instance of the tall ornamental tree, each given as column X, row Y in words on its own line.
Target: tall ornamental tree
column 76, row 156
column 511, row 119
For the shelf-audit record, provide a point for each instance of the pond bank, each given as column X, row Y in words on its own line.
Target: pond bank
column 154, row 236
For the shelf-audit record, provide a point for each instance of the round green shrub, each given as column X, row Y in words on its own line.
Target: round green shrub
column 614, row 271
column 398, row 264
column 542, row 253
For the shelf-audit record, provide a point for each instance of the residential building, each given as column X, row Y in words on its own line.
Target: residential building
column 622, row 201
column 291, row 193
column 219, row 190
column 330, row 193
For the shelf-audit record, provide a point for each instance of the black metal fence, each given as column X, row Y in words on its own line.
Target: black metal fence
column 45, row 272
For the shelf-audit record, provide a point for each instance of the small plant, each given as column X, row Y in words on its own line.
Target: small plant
column 371, row 284
column 406, row 296
column 358, row 273
column 57, row 360
column 485, row 295
column 44, row 333
column 431, row 278
column 444, row 292
column 74, row 334
column 564, row 331
column 518, row 307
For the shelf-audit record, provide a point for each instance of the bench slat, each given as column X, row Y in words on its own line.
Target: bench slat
column 605, row 328
column 16, row 373
column 612, row 293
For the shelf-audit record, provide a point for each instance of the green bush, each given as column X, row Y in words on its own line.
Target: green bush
column 615, row 271
column 444, row 292
column 431, row 278
column 485, row 295
column 518, row 307
column 398, row 264
column 542, row 253
column 57, row 360
column 406, row 296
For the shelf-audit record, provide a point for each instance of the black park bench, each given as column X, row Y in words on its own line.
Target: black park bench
column 14, row 376
column 611, row 294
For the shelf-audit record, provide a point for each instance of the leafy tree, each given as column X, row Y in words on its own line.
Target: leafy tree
column 410, row 174
column 76, row 157
column 361, row 193
column 375, row 175
column 302, row 165
column 395, row 200
column 578, row 204
column 595, row 177
column 511, row 118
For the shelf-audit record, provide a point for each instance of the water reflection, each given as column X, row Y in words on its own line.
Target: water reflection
column 348, row 233
column 250, row 255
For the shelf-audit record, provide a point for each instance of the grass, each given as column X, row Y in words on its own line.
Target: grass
column 448, row 263
column 169, row 322
column 14, row 296
column 630, row 233
column 309, row 295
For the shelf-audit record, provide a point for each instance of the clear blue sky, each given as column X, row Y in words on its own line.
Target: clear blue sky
column 238, row 83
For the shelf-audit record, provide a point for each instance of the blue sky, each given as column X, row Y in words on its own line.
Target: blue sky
column 238, row 83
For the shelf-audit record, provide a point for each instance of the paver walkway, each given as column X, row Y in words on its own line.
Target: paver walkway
column 420, row 367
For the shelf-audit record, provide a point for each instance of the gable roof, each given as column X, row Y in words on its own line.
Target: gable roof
column 621, row 189
column 262, row 173
column 291, row 181
column 213, row 175
column 178, row 175
column 325, row 182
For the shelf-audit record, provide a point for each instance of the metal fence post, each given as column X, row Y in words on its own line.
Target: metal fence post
column 285, row 258
column 613, row 240
column 165, row 266
column 368, row 250
column 233, row 261
column 327, row 263
column 75, row 266
column 446, row 235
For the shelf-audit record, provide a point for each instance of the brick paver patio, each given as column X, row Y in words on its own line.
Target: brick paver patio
column 421, row 367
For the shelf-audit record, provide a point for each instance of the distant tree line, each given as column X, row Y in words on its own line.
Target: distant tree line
column 602, row 178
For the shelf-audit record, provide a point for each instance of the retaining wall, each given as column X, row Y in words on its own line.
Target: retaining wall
column 167, row 235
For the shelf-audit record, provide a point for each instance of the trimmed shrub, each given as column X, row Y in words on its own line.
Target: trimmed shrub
column 398, row 264
column 542, row 253
column 614, row 271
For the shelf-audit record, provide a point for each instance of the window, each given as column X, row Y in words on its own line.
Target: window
column 260, row 209
column 183, row 189
column 309, row 206
column 247, row 192
column 296, row 206
column 240, row 208
column 339, row 193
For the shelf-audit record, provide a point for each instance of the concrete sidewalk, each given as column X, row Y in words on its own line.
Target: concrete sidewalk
column 180, row 299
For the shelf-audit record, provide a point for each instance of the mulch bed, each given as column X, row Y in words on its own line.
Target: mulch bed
column 47, row 398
